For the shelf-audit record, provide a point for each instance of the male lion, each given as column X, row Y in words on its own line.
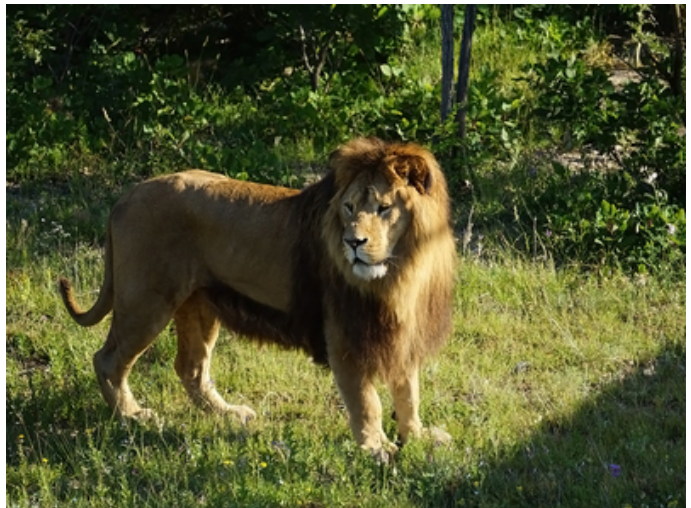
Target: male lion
column 356, row 270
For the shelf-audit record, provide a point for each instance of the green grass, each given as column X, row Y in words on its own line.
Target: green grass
column 549, row 379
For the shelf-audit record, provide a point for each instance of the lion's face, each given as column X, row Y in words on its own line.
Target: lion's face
column 374, row 216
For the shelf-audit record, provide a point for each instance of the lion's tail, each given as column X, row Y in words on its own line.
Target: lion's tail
column 103, row 305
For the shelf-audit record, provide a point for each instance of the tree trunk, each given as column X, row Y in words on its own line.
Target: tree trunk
column 676, row 83
column 464, row 66
column 446, row 59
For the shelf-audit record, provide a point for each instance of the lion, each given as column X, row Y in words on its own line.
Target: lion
column 356, row 270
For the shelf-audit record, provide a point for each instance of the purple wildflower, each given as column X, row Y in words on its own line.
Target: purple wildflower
column 615, row 469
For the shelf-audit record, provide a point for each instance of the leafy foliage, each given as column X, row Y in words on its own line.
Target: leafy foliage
column 616, row 200
column 132, row 93
column 117, row 102
column 630, row 215
column 604, row 220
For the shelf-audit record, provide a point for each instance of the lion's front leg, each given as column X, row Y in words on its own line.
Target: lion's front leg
column 406, row 397
column 363, row 405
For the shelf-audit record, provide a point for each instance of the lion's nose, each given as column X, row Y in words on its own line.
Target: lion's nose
column 354, row 243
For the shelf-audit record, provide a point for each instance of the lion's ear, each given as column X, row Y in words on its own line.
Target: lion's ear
column 421, row 176
column 415, row 169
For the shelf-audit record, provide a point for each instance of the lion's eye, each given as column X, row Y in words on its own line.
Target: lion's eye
column 348, row 208
column 383, row 209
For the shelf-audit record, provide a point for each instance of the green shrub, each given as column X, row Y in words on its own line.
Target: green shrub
column 606, row 220
column 129, row 110
column 630, row 213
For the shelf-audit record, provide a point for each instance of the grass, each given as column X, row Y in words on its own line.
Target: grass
column 559, row 390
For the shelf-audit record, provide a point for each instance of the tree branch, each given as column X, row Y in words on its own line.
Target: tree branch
column 464, row 66
column 305, row 58
column 446, row 60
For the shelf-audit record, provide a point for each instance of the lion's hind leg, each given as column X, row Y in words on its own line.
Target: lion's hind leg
column 130, row 335
column 197, row 329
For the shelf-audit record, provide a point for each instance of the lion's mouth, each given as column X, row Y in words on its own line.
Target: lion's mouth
column 368, row 271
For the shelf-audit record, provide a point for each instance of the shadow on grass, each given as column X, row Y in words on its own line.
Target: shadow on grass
column 49, row 218
column 623, row 447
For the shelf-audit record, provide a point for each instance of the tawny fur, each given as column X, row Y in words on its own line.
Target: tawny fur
column 275, row 265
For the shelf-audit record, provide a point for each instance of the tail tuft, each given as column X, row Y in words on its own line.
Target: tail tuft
column 65, row 287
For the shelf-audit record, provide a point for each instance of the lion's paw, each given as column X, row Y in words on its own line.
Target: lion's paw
column 243, row 413
column 143, row 416
column 381, row 456
column 383, row 453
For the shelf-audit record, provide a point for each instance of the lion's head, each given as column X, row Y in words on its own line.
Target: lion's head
column 384, row 195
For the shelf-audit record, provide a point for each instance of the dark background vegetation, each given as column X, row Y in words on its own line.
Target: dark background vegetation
column 264, row 92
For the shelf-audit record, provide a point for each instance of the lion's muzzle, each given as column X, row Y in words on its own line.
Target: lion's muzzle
column 363, row 265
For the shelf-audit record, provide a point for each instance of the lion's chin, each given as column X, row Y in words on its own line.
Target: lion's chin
column 369, row 272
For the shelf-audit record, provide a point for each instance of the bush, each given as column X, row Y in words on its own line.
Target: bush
column 116, row 98
column 605, row 220
column 630, row 214
column 624, row 212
